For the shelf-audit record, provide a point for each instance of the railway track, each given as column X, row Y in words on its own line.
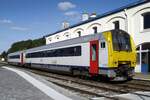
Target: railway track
column 75, row 84
column 136, row 85
column 93, row 88
column 3, row 64
column 130, row 86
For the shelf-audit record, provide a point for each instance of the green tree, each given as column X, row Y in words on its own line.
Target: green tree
column 4, row 55
column 23, row 45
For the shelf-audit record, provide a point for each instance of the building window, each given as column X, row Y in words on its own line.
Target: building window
column 146, row 18
column 66, row 35
column 49, row 39
column 79, row 33
column 116, row 25
column 57, row 37
column 95, row 30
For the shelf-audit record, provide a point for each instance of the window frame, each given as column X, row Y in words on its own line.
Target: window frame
column 79, row 33
column 68, row 51
column 94, row 53
column 103, row 44
column 95, row 29
column 116, row 24
column 143, row 20
column 14, row 57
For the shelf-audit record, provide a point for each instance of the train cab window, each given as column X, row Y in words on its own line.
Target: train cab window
column 103, row 45
column 146, row 18
column 94, row 52
column 116, row 25
column 121, row 41
column 95, row 30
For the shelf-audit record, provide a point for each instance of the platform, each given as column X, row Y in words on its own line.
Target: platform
column 142, row 76
column 128, row 96
column 19, row 85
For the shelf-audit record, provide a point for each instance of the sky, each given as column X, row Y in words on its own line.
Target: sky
column 32, row 19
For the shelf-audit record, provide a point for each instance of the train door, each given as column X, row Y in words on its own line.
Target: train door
column 21, row 58
column 94, row 55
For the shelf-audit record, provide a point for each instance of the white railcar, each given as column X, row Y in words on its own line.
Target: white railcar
column 109, row 53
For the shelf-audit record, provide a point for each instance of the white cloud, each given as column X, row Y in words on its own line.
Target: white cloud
column 5, row 21
column 71, row 13
column 66, row 5
column 19, row 28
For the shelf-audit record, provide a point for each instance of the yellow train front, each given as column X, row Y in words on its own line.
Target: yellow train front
column 119, row 57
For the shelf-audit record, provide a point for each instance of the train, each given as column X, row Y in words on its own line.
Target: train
column 110, row 54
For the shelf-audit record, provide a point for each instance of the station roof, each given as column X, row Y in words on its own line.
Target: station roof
column 140, row 2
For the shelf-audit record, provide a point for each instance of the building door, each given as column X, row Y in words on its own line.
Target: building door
column 143, row 58
column 144, row 63
column 94, row 55
column 149, row 61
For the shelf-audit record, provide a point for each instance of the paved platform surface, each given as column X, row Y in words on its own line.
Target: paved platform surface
column 142, row 76
column 16, row 87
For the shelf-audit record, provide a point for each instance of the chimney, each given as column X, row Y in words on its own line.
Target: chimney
column 93, row 15
column 85, row 16
column 65, row 24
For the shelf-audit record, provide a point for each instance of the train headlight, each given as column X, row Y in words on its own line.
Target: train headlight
column 133, row 62
column 109, row 39
column 115, row 62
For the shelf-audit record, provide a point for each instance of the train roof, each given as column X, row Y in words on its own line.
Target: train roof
column 63, row 43
column 73, row 41
column 15, row 53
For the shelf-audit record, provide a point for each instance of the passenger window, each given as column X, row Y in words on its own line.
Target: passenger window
column 103, row 45
column 93, row 52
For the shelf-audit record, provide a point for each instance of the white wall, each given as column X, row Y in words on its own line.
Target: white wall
column 136, row 24
column 131, row 20
column 102, row 24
